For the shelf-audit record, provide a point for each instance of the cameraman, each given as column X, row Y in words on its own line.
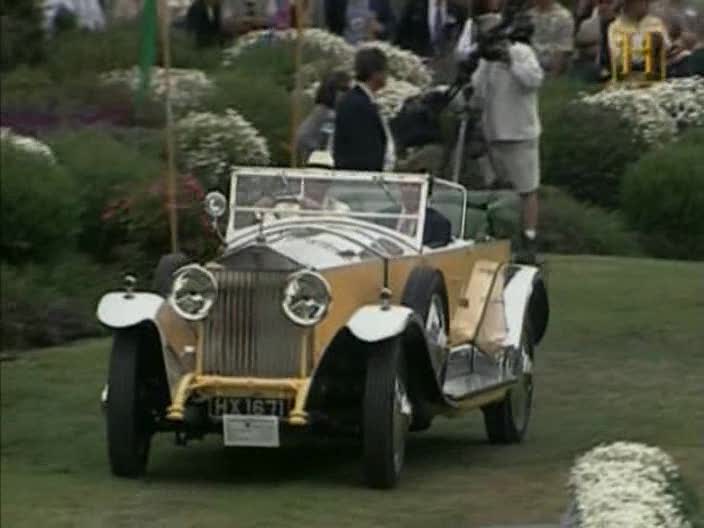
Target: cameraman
column 506, row 87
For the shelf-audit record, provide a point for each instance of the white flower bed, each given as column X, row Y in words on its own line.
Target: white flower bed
column 212, row 144
column 682, row 99
column 659, row 111
column 26, row 143
column 319, row 41
column 625, row 484
column 404, row 65
column 392, row 97
column 188, row 87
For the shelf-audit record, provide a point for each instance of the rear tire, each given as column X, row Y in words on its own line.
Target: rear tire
column 129, row 424
column 506, row 421
column 387, row 415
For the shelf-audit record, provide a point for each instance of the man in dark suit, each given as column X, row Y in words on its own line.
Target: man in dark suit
column 336, row 17
column 428, row 27
column 203, row 20
column 362, row 140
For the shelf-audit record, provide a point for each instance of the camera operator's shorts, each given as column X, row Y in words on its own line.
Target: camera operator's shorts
column 516, row 162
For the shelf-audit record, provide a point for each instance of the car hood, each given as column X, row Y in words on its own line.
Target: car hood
column 311, row 247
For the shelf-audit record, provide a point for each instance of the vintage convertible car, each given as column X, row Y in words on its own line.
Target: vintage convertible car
column 342, row 302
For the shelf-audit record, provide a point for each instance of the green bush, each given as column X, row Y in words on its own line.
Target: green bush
column 21, row 34
column 143, row 213
column 262, row 102
column 663, row 198
column 568, row 226
column 49, row 303
column 77, row 52
column 104, row 170
column 585, row 150
column 39, row 206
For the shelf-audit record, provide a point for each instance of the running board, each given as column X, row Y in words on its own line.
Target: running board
column 470, row 373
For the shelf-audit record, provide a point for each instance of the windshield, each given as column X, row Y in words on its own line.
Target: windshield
column 393, row 201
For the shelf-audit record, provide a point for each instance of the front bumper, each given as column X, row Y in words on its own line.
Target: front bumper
column 211, row 386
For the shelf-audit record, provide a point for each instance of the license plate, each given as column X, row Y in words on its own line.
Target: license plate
column 250, row 431
column 220, row 406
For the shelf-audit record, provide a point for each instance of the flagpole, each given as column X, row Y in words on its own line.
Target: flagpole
column 169, row 134
column 301, row 13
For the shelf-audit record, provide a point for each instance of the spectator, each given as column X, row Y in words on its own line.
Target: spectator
column 692, row 60
column 507, row 83
column 483, row 12
column 591, row 61
column 360, row 20
column 242, row 16
column 677, row 14
column 85, row 14
column 362, row 137
column 123, row 10
column 316, row 131
column 429, row 27
column 635, row 22
column 553, row 39
column 204, row 20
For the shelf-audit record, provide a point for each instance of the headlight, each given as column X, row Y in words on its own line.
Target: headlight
column 306, row 298
column 194, row 292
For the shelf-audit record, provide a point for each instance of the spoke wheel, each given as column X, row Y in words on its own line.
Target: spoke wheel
column 436, row 321
column 507, row 420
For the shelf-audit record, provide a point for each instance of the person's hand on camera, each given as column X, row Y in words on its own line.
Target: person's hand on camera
column 497, row 52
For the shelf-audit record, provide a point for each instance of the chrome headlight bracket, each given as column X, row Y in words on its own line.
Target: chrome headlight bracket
column 306, row 298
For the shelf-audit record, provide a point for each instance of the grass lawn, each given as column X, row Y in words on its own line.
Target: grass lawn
column 623, row 359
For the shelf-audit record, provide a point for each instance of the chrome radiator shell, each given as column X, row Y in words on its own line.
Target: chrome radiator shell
column 246, row 332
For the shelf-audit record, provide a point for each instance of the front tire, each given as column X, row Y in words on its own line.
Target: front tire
column 129, row 429
column 506, row 421
column 387, row 415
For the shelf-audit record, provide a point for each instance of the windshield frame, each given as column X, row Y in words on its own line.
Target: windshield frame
column 374, row 178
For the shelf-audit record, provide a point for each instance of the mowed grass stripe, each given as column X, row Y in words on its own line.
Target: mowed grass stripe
column 623, row 359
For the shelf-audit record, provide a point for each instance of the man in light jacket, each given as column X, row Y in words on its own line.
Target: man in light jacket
column 506, row 87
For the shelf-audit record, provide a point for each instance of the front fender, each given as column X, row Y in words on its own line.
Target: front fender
column 122, row 310
column 374, row 323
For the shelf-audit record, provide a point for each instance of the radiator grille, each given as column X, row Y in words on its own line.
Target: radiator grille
column 247, row 333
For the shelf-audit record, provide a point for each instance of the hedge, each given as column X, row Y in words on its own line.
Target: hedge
column 663, row 197
column 585, row 149
column 39, row 206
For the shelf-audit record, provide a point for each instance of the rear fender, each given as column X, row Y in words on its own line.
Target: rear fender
column 525, row 295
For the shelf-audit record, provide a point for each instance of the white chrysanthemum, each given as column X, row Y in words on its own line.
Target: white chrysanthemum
column 403, row 65
column 682, row 99
column 392, row 97
column 212, row 144
column 188, row 87
column 27, row 144
column 659, row 111
column 319, row 42
column 625, row 484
